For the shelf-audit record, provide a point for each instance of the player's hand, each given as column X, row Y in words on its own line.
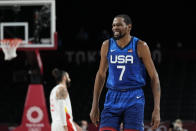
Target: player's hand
column 94, row 115
column 65, row 128
column 155, row 119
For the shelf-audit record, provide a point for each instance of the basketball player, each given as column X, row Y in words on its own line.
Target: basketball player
column 127, row 58
column 60, row 104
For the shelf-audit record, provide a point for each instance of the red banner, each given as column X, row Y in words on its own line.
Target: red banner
column 35, row 116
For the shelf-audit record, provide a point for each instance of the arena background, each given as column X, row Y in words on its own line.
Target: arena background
column 166, row 26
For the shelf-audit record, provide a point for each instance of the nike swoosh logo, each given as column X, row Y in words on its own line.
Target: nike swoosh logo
column 112, row 50
column 138, row 97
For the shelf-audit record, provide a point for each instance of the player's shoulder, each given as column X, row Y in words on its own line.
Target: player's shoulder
column 61, row 92
column 142, row 47
column 141, row 44
column 106, row 43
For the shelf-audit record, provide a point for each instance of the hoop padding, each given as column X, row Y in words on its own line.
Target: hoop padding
column 9, row 47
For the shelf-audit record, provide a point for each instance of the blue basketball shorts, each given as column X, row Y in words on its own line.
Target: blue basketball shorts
column 125, row 107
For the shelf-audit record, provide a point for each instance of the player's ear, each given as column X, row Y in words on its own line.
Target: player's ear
column 129, row 27
column 64, row 77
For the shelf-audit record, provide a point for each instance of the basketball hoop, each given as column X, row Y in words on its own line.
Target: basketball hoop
column 9, row 47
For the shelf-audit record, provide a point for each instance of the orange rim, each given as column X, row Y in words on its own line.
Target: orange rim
column 12, row 42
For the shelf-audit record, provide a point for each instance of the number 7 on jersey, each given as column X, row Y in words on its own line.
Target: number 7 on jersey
column 122, row 71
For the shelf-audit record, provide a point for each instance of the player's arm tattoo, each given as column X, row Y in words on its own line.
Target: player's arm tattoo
column 61, row 93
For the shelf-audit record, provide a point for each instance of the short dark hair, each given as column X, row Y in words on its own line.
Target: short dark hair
column 127, row 19
column 58, row 74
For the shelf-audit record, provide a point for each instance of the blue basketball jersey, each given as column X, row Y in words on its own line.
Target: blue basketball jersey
column 126, row 70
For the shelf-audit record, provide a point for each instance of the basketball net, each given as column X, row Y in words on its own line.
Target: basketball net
column 9, row 47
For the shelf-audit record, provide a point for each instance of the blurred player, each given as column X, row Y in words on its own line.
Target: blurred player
column 127, row 58
column 60, row 104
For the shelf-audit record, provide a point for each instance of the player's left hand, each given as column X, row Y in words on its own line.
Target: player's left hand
column 155, row 119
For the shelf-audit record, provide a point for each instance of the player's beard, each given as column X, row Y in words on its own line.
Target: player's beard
column 119, row 36
column 68, row 83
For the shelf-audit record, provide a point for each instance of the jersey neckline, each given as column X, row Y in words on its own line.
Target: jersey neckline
column 126, row 45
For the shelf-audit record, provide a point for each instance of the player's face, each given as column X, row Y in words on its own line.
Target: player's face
column 119, row 28
column 68, row 80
